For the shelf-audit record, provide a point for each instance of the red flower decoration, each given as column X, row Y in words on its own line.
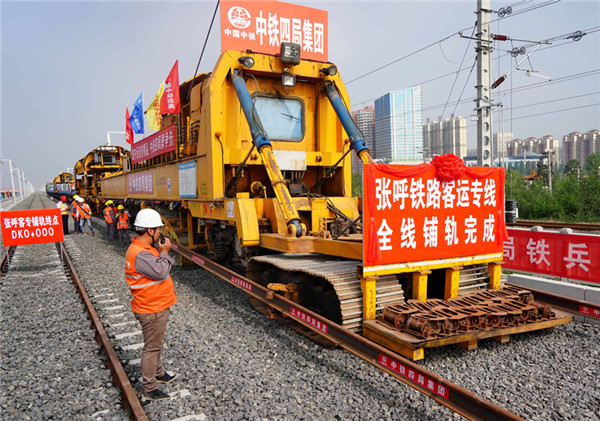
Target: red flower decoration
column 449, row 167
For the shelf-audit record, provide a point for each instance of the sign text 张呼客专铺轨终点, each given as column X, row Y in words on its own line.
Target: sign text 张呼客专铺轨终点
column 31, row 227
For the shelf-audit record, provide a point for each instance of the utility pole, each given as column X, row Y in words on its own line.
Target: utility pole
column 12, row 181
column 549, row 155
column 484, row 90
column 108, row 136
column 20, row 184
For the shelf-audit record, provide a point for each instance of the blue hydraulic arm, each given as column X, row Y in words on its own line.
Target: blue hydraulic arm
column 356, row 138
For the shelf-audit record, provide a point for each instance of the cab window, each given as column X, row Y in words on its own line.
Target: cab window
column 281, row 117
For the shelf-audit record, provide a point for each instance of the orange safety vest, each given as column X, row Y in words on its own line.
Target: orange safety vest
column 74, row 209
column 84, row 211
column 149, row 295
column 107, row 216
column 123, row 222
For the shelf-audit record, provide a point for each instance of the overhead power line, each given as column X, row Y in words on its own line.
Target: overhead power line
column 549, row 101
column 547, row 3
column 524, row 87
column 550, row 112
column 563, row 36
column 458, row 72
column 401, row 58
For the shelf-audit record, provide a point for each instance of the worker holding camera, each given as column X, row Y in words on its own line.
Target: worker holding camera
column 147, row 269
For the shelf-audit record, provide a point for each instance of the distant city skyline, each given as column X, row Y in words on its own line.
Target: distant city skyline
column 69, row 69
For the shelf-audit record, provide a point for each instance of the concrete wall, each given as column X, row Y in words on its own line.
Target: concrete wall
column 576, row 291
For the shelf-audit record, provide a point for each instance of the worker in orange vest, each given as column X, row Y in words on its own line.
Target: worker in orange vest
column 123, row 226
column 64, row 213
column 84, row 213
column 73, row 208
column 147, row 269
column 111, row 220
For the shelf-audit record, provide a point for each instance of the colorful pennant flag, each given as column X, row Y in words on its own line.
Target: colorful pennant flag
column 128, row 129
column 169, row 103
column 153, row 111
column 137, row 116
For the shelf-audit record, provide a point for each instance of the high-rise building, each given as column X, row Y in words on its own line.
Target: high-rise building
column 444, row 137
column 529, row 144
column 571, row 143
column 499, row 149
column 591, row 144
column 365, row 121
column 514, row 147
column 399, row 126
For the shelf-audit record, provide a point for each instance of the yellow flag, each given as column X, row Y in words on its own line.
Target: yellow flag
column 153, row 111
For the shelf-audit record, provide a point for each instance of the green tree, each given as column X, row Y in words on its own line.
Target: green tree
column 572, row 167
column 567, row 193
column 357, row 184
column 592, row 164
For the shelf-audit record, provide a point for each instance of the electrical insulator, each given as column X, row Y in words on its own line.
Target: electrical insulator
column 498, row 82
column 500, row 37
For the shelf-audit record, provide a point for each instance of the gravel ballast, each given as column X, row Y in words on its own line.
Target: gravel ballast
column 50, row 365
column 234, row 363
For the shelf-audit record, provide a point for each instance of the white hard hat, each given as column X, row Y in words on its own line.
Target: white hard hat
column 79, row 199
column 148, row 218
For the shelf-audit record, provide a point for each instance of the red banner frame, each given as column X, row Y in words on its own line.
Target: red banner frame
column 410, row 215
column 553, row 253
column 140, row 182
column 155, row 144
column 35, row 226
column 261, row 26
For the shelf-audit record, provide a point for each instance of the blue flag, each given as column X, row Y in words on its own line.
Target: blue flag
column 137, row 116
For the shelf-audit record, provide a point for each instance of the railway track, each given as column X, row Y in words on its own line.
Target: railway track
column 583, row 226
column 56, row 263
column 457, row 398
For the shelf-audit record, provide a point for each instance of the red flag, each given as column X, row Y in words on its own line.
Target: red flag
column 128, row 128
column 169, row 103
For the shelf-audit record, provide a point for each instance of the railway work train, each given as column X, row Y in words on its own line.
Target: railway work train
column 256, row 169
column 61, row 185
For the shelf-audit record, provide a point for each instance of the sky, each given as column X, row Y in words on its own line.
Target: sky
column 69, row 69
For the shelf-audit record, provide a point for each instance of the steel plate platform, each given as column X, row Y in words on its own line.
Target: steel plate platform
column 413, row 348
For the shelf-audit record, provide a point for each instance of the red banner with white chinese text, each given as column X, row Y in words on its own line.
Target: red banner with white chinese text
column 553, row 253
column 429, row 212
column 140, row 182
column 154, row 145
column 261, row 26
column 35, row 226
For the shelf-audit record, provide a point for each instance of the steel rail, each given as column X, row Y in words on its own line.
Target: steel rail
column 568, row 304
column 6, row 258
column 120, row 378
column 556, row 225
column 443, row 391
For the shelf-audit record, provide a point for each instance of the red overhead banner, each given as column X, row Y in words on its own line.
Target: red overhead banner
column 552, row 253
column 430, row 212
column 31, row 227
column 154, row 145
column 261, row 26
